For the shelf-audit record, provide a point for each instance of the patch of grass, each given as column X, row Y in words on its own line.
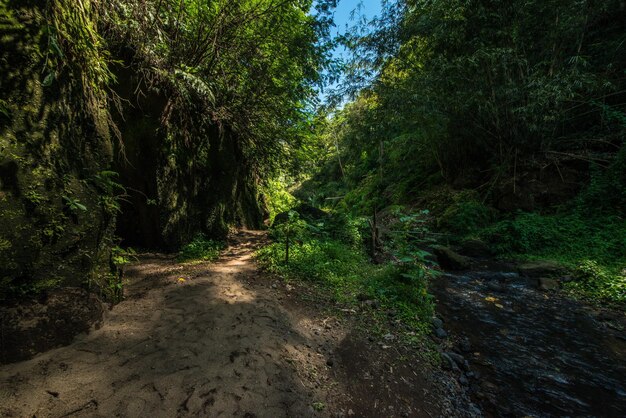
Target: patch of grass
column 200, row 249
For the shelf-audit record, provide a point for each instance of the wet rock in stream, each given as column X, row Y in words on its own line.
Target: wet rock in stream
column 546, row 283
column 449, row 259
column 541, row 269
column 474, row 247
column 537, row 353
column 441, row 333
column 437, row 323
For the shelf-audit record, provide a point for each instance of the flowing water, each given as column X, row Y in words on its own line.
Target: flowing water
column 533, row 352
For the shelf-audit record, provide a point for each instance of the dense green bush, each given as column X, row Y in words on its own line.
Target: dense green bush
column 567, row 235
column 606, row 192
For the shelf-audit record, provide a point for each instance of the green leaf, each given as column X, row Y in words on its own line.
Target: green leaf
column 54, row 46
column 47, row 82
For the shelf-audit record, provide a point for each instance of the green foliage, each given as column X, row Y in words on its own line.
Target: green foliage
column 237, row 79
column 54, row 229
column 560, row 235
column 588, row 235
column 318, row 260
column 119, row 257
column 12, row 289
column 34, row 197
column 465, row 214
column 482, row 97
column 319, row 406
column 598, row 282
column 592, row 247
column 34, row 288
column 347, row 229
column 74, row 44
column 475, row 96
column 5, row 111
column 107, row 181
column 122, row 256
column 200, row 249
column 74, row 205
column 5, row 244
column 606, row 192
column 278, row 198
column 589, row 228
column 408, row 233
column 247, row 67
column 293, row 226
column 339, row 226
column 112, row 193
column 332, row 259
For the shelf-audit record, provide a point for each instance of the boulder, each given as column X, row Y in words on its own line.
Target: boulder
column 437, row 323
column 457, row 358
column 450, row 260
column 542, row 268
column 495, row 286
column 448, row 363
column 465, row 345
column 475, row 247
column 441, row 333
column 546, row 283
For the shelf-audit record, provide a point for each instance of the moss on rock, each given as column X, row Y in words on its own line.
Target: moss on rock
column 52, row 226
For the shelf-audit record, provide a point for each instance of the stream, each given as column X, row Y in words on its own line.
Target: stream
column 533, row 352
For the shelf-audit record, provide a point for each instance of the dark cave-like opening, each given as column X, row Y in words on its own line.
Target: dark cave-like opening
column 137, row 160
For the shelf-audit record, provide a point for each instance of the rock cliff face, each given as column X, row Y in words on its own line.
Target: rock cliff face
column 178, row 188
column 67, row 183
column 52, row 224
column 82, row 170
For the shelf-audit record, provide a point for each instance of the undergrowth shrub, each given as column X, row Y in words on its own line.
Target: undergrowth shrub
column 329, row 254
column 594, row 248
column 606, row 192
column 465, row 214
column 567, row 236
column 588, row 235
column 200, row 249
column 347, row 229
column 595, row 281
column 278, row 198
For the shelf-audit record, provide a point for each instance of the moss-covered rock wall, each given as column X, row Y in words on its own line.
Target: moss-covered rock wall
column 176, row 187
column 90, row 149
column 53, row 229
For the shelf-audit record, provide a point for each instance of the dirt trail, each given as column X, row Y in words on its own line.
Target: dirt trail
column 225, row 341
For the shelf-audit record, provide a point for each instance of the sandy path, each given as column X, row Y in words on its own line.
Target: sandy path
column 225, row 341
column 210, row 346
